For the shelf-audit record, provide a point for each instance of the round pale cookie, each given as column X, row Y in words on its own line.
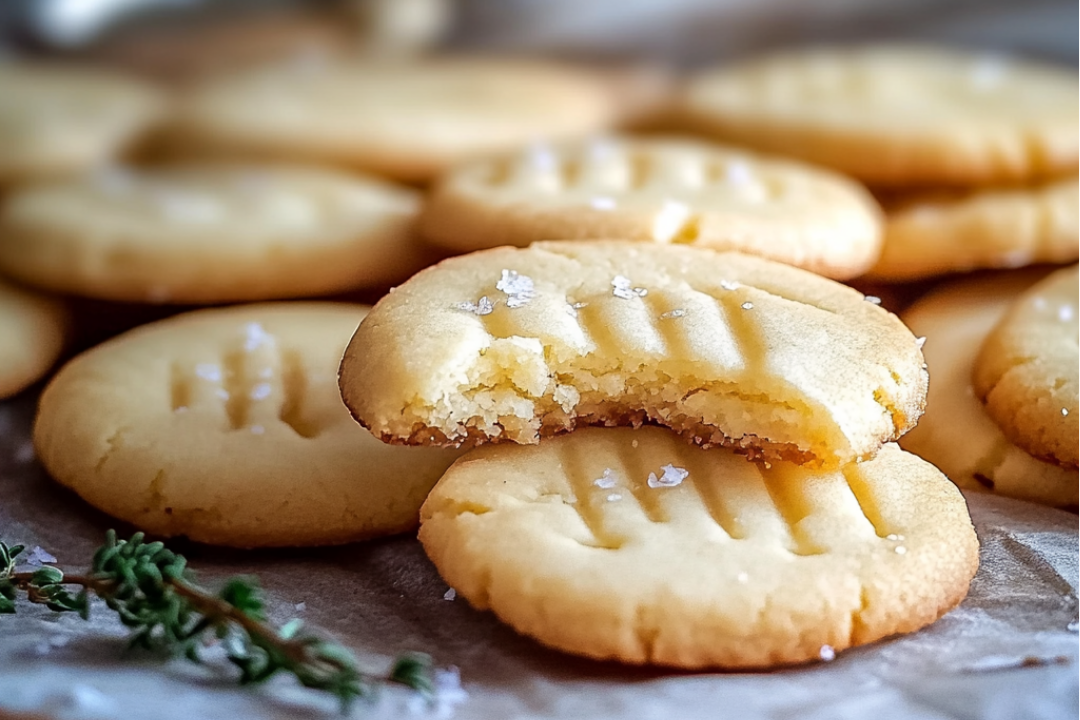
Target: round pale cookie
column 407, row 120
column 1028, row 370
column 56, row 119
column 32, row 332
column 929, row 234
column 632, row 545
column 210, row 233
column 956, row 434
column 226, row 426
column 661, row 191
column 515, row 344
column 895, row 115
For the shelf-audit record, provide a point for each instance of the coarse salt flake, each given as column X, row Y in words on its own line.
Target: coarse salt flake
column 483, row 306
column 208, row 371
column 1064, row 411
column 261, row 391
column 827, row 653
column 255, row 336
column 450, row 594
column 669, row 477
column 519, row 288
column 872, row 299
column 676, row 313
column 747, row 305
column 613, row 497
column 900, row 550
column 729, row 285
column 621, row 288
column 607, row 480
column 738, row 173
column 37, row 557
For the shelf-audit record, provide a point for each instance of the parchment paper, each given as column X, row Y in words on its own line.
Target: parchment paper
column 381, row 598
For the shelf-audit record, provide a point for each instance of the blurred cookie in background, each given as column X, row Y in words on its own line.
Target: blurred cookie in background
column 405, row 120
column 897, row 116
column 210, row 233
column 659, row 190
column 932, row 233
column 33, row 329
column 57, row 120
column 1027, row 370
column 956, row 433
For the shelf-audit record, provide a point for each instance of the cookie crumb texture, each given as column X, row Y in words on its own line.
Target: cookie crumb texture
column 738, row 565
column 725, row 348
column 225, row 426
column 1027, row 370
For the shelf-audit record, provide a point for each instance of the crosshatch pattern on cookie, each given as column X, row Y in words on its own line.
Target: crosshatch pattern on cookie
column 737, row 351
column 255, row 382
column 226, row 426
column 726, row 563
column 658, row 190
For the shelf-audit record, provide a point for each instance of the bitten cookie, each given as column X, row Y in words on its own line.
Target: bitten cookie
column 32, row 332
column 226, row 426
column 956, row 434
column 1028, row 370
column 635, row 546
column 515, row 344
column 210, row 233
column 56, row 120
column 930, row 234
column 662, row 191
column 895, row 115
column 408, row 121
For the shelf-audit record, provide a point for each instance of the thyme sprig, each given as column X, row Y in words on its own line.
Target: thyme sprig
column 152, row 591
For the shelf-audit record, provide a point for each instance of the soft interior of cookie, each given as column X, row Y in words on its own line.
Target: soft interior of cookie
column 714, row 386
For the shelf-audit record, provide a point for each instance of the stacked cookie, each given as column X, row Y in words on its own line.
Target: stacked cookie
column 1002, row 410
column 974, row 157
column 788, row 532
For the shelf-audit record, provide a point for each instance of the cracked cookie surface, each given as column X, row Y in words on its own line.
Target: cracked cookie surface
column 226, row 426
column 632, row 545
column 658, row 190
column 1027, row 370
column 515, row 344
